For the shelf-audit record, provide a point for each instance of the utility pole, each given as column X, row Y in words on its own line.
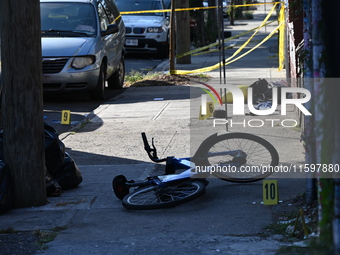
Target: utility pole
column 22, row 103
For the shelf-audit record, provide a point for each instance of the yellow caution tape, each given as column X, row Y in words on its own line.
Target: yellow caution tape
column 169, row 10
column 148, row 11
column 258, row 45
column 195, row 8
column 207, row 69
column 262, row 24
column 281, row 37
column 216, row 43
column 241, row 5
column 215, row 50
column 225, row 62
column 116, row 18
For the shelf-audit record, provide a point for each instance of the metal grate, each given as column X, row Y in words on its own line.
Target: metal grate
column 139, row 30
column 53, row 65
column 135, row 30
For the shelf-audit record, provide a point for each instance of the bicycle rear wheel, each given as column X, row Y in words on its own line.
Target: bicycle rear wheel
column 156, row 197
column 239, row 157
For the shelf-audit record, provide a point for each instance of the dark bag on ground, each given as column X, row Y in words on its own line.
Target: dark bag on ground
column 62, row 171
column 54, row 150
column 263, row 91
column 60, row 166
column 6, row 189
column 260, row 91
column 69, row 175
column 260, row 87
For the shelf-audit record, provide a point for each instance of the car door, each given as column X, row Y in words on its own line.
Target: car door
column 111, row 41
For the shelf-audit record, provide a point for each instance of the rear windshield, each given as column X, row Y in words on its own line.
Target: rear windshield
column 68, row 19
column 140, row 5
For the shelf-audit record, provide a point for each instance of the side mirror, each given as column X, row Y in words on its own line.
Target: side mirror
column 111, row 29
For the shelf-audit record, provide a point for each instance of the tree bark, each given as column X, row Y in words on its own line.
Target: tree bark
column 22, row 104
column 199, row 31
column 232, row 13
column 211, row 27
column 183, row 32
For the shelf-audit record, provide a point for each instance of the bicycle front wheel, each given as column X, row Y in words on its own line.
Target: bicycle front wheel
column 156, row 197
column 239, row 157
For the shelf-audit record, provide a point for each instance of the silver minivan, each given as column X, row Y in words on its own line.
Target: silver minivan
column 82, row 46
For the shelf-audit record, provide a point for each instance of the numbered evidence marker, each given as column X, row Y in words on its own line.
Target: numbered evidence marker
column 65, row 117
column 270, row 192
column 206, row 108
column 206, row 111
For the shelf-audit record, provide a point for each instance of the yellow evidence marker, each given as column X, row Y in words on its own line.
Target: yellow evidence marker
column 270, row 192
column 206, row 111
column 66, row 117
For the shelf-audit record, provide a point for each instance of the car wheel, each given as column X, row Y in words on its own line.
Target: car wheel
column 163, row 51
column 99, row 91
column 116, row 81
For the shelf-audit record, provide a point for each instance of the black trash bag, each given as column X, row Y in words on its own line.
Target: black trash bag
column 54, row 150
column 260, row 91
column 263, row 91
column 6, row 189
column 260, row 86
column 61, row 168
column 69, row 176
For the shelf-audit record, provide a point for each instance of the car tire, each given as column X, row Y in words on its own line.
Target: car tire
column 99, row 91
column 163, row 51
column 116, row 81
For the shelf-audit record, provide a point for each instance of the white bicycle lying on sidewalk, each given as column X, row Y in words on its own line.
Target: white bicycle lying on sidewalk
column 234, row 157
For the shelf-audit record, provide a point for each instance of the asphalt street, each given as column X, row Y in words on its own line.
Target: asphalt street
column 229, row 219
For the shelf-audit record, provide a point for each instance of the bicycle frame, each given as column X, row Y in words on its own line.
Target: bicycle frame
column 201, row 158
column 173, row 163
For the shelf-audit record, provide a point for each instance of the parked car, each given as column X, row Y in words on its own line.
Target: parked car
column 82, row 46
column 146, row 31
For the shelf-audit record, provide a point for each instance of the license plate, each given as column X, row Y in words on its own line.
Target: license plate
column 131, row 42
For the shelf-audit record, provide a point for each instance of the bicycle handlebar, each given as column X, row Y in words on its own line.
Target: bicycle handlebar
column 146, row 143
column 152, row 151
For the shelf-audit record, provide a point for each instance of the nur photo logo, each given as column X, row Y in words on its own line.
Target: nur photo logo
column 244, row 97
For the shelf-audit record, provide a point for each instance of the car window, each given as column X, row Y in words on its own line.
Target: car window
column 140, row 5
column 103, row 18
column 107, row 10
column 68, row 19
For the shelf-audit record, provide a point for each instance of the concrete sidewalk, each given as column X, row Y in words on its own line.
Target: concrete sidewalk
column 228, row 219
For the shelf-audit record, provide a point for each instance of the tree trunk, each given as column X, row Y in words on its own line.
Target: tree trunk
column 22, row 105
column 183, row 32
column 172, row 48
column 199, row 31
column 211, row 28
column 232, row 13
